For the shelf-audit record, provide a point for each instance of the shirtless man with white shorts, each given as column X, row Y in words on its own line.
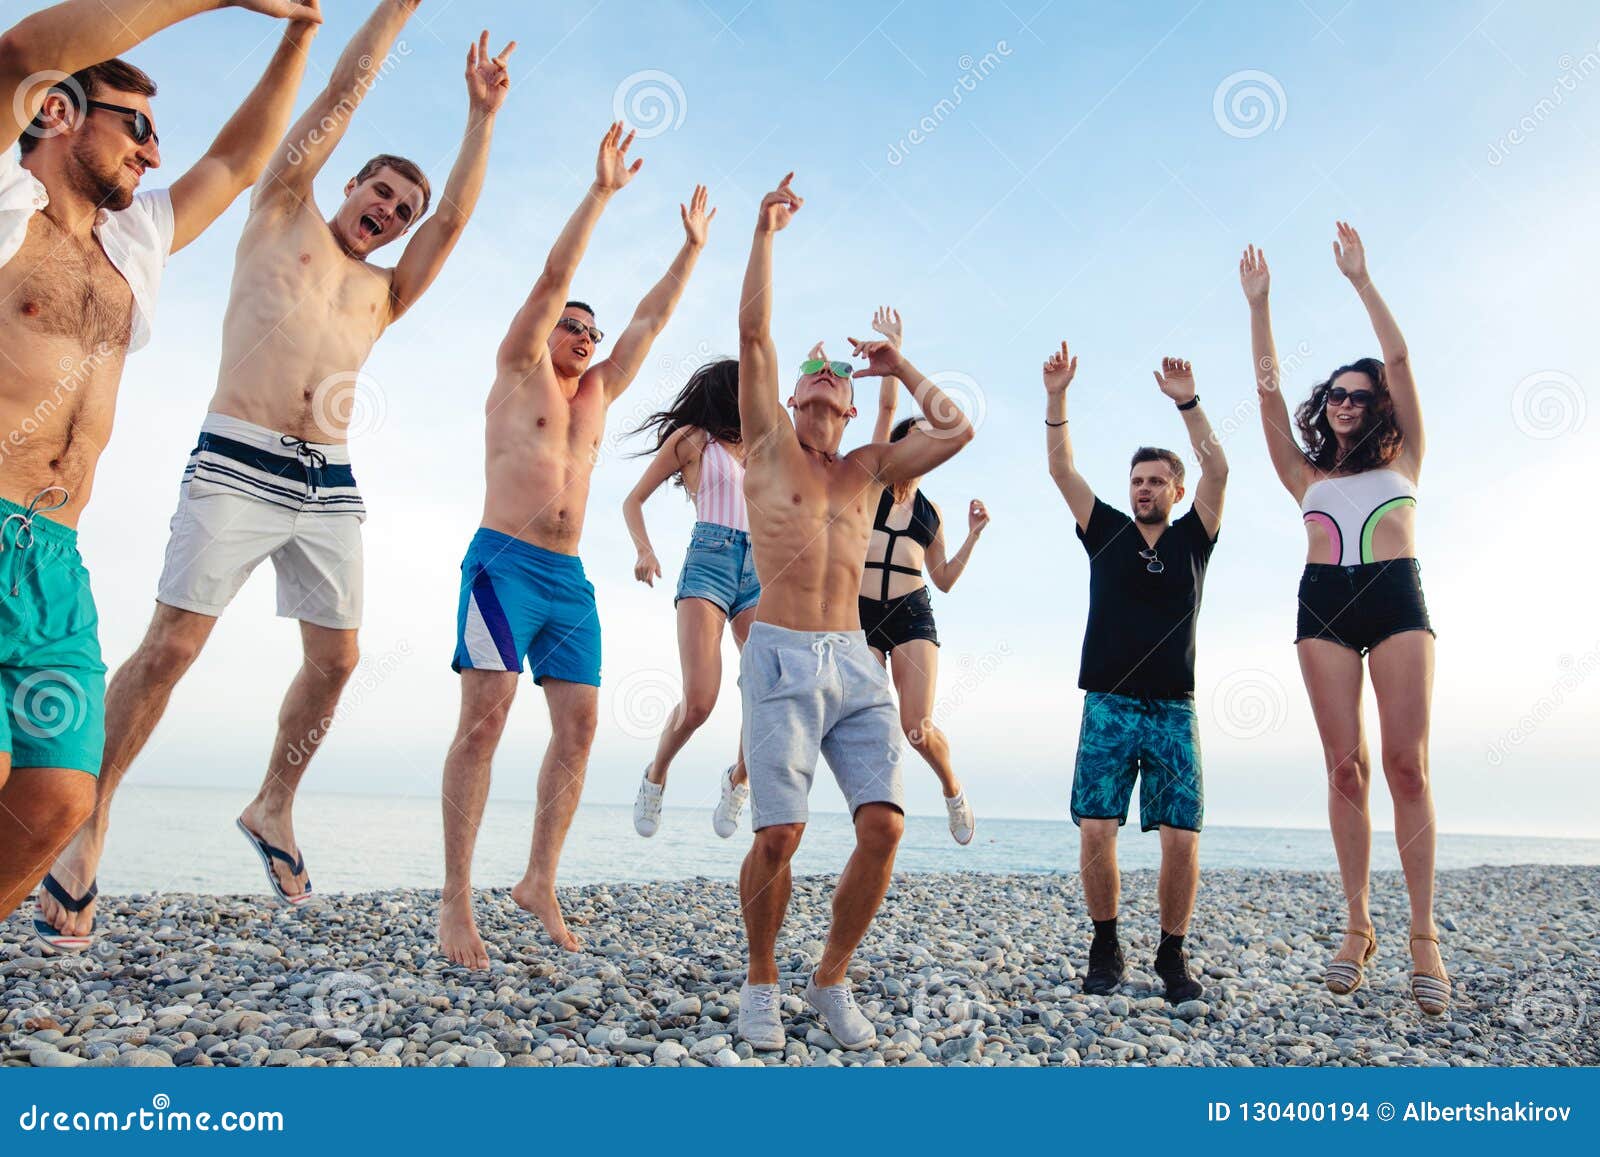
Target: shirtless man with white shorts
column 270, row 476
column 81, row 259
column 807, row 677
column 523, row 590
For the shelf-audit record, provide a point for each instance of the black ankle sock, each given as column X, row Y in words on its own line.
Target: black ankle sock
column 1173, row 969
column 1170, row 950
column 1105, row 934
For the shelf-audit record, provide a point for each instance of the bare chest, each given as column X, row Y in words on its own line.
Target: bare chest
column 61, row 286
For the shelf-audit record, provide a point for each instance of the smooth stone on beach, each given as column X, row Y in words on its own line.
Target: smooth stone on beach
column 143, row 1059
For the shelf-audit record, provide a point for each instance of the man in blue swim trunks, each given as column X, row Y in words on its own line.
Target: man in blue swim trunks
column 523, row 591
column 1146, row 574
column 82, row 252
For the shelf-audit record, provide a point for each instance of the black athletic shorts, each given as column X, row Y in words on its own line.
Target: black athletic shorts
column 890, row 622
column 1360, row 606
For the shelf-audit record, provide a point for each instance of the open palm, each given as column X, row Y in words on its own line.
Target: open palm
column 696, row 221
column 611, row 168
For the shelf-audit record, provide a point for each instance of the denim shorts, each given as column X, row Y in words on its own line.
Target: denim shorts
column 719, row 568
column 1361, row 606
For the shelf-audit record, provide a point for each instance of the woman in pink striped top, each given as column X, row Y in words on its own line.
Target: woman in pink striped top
column 698, row 446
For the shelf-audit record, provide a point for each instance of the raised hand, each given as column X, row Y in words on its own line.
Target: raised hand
column 883, row 358
column 282, row 9
column 779, row 206
column 695, row 218
column 1175, row 379
column 1059, row 370
column 611, row 168
column 1254, row 275
column 1349, row 254
column 977, row 517
column 488, row 79
column 887, row 322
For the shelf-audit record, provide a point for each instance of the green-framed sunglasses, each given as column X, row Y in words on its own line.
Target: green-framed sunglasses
column 817, row 365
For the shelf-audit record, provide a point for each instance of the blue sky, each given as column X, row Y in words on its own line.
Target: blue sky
column 1085, row 187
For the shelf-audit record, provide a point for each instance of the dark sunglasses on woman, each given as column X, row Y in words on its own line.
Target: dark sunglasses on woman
column 1361, row 398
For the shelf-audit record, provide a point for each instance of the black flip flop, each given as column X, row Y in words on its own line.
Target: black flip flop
column 51, row 936
column 268, row 853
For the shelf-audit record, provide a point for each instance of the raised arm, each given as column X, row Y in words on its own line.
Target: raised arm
column 63, row 39
column 488, row 82
column 682, row 447
column 1175, row 379
column 1351, row 257
column 1287, row 459
column 1059, row 370
column 241, row 151
column 887, row 322
column 760, row 412
column 944, row 429
column 945, row 571
column 302, row 153
column 525, row 345
column 618, row 370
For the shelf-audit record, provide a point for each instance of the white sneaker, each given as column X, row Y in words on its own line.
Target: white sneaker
column 962, row 822
column 759, row 1022
column 843, row 1019
column 647, row 807
column 731, row 806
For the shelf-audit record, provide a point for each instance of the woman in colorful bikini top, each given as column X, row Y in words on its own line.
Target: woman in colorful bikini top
column 699, row 446
column 1354, row 473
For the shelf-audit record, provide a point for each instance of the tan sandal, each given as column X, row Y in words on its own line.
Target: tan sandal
column 1430, row 990
column 1344, row 976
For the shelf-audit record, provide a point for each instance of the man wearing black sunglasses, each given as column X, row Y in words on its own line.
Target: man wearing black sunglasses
column 1146, row 574
column 81, row 259
column 524, row 596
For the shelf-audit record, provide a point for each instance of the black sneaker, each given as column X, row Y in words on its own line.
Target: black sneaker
column 1174, row 973
column 1107, row 967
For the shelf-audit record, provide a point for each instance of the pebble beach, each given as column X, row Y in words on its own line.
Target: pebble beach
column 959, row 969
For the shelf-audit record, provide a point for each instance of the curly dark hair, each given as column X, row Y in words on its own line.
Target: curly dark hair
column 1380, row 438
column 708, row 401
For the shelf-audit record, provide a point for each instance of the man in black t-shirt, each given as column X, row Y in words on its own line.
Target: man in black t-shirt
column 1146, row 574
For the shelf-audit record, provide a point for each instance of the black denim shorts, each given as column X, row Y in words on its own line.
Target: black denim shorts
column 890, row 622
column 1361, row 606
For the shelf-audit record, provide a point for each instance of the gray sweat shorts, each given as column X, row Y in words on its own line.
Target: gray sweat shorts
column 807, row 693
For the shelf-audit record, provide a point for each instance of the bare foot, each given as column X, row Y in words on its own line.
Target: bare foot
column 542, row 903
column 1354, row 948
column 1424, row 955
column 458, row 935
column 277, row 830
column 74, row 870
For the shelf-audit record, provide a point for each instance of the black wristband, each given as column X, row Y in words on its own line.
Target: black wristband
column 1190, row 404
column 1048, row 422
